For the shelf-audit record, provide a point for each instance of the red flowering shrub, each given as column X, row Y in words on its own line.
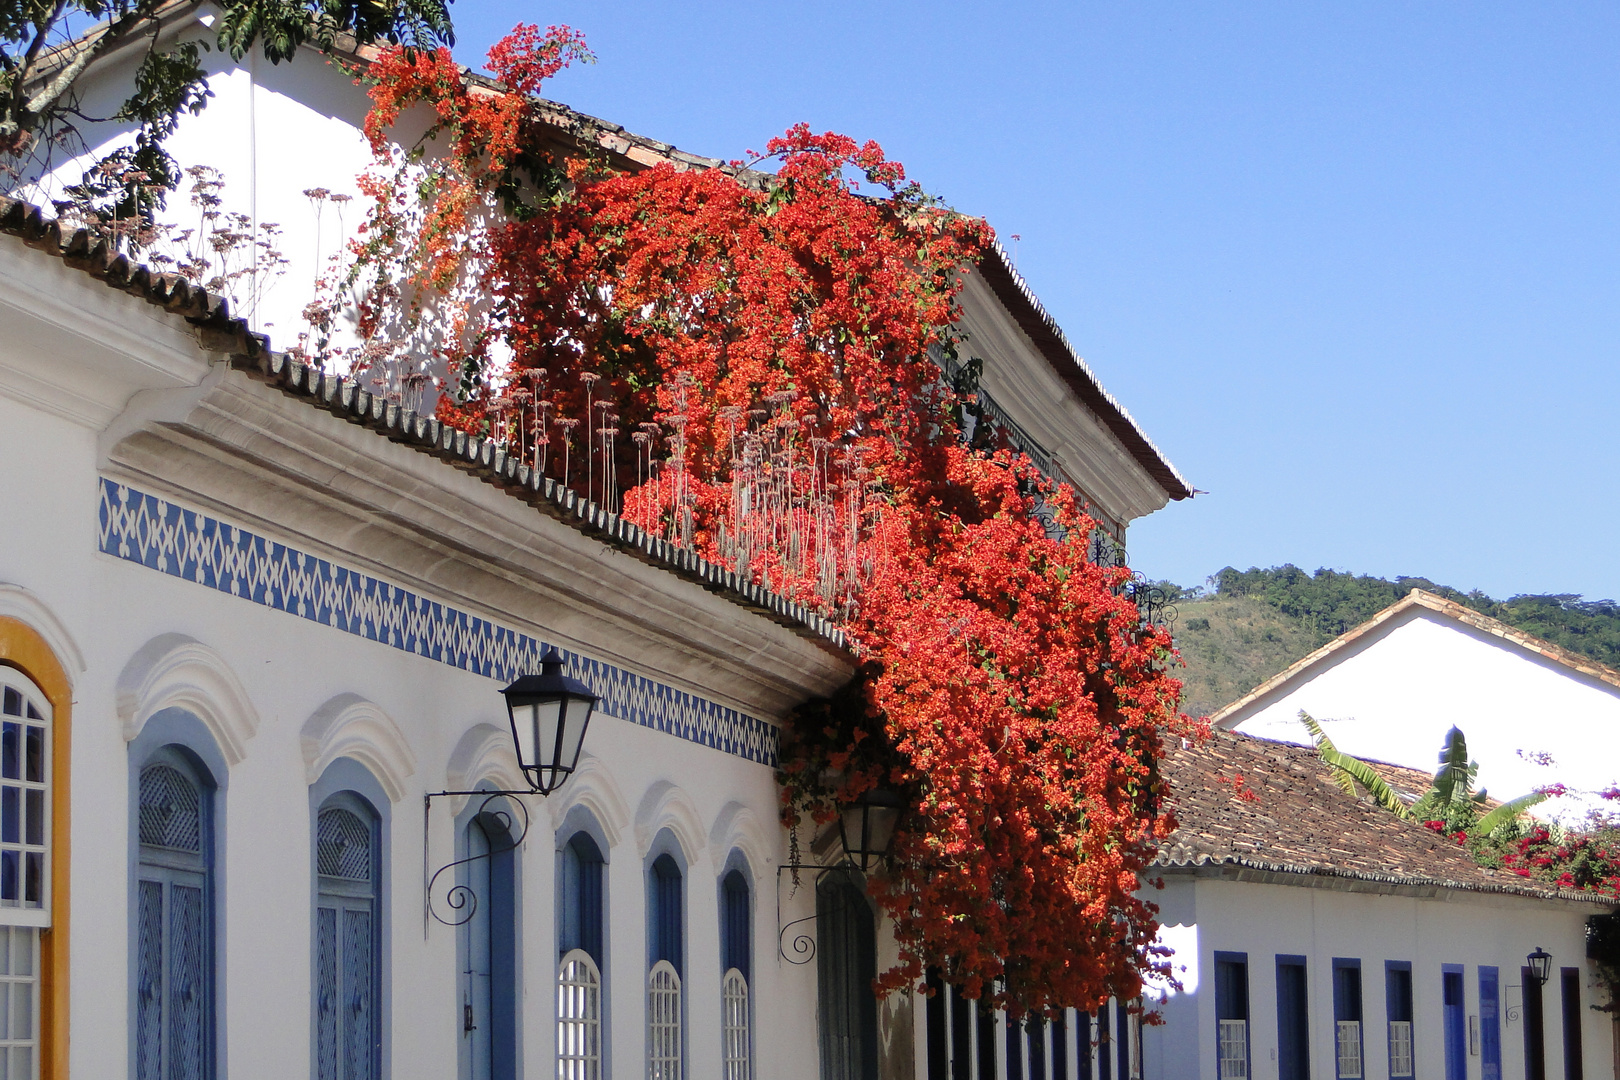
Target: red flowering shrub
column 745, row 364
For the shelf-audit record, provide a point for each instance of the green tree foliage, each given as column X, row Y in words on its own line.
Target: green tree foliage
column 1329, row 603
column 1451, row 805
column 47, row 45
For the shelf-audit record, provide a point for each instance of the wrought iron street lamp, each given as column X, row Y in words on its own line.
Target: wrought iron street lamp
column 549, row 714
column 867, row 827
column 1540, row 965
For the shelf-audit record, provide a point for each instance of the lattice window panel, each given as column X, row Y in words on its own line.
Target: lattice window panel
column 663, row 1022
column 734, row 1025
column 343, row 845
column 24, row 797
column 171, row 810
column 579, row 1018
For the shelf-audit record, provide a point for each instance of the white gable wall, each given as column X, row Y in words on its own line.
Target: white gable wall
column 1394, row 697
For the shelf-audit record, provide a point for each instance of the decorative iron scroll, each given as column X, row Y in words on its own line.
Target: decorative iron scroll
column 460, row 898
column 1152, row 601
column 803, row 945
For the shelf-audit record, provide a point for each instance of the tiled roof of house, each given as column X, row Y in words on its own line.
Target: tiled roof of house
column 1239, row 710
column 216, row 330
column 1253, row 804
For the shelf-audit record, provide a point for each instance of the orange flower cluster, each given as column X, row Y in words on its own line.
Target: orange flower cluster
column 771, row 342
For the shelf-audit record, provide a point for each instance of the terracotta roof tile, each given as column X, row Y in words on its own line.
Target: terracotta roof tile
column 1294, row 820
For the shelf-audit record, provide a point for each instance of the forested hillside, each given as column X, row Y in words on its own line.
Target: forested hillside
column 1250, row 624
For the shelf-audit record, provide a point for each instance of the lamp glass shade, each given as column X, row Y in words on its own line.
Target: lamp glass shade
column 1540, row 965
column 867, row 827
column 549, row 713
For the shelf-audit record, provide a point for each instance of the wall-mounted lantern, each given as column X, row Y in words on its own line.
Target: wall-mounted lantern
column 549, row 714
column 1540, row 965
column 867, row 827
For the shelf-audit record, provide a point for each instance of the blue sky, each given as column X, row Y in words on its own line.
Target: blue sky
column 1355, row 268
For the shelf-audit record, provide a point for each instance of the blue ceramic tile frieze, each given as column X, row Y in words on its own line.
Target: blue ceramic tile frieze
column 187, row 544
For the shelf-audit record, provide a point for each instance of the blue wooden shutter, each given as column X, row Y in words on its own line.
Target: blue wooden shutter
column 1535, row 1033
column 149, row 989
column 1122, row 1038
column 846, row 965
column 1570, row 982
column 736, row 946
column 174, row 978
column 580, row 920
column 348, row 1029
column 1454, row 1030
column 1293, row 1020
column 1105, row 1044
column 1490, row 1025
column 666, row 913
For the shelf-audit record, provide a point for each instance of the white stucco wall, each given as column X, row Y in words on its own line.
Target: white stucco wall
column 1266, row 920
column 1395, row 698
column 271, row 673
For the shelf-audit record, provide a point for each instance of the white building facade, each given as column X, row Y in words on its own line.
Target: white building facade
column 1317, row 935
column 254, row 622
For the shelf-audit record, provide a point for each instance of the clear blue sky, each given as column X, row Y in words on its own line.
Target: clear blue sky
column 1353, row 267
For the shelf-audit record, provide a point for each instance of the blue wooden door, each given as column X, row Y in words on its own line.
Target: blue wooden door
column 489, row 1002
column 1455, row 1025
column 846, row 965
column 348, row 1030
column 174, row 977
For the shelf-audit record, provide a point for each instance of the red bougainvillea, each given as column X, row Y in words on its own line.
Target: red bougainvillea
column 750, row 364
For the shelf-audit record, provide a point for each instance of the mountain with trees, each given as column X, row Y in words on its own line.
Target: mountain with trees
column 1245, row 626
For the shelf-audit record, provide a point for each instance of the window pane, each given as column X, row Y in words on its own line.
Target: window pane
column 34, row 772
column 34, row 819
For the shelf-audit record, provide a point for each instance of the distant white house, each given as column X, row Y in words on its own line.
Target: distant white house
column 1317, row 935
column 1534, row 713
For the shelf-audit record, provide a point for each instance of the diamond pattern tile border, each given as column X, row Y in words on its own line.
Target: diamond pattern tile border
column 190, row 545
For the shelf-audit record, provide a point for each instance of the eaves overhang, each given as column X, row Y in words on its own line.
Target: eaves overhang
column 208, row 318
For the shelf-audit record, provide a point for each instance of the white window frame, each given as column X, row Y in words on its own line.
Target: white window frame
column 1232, row 1049
column 1400, row 1049
column 579, row 1017
column 16, row 913
column 663, row 1022
column 736, row 1030
column 1347, row 1048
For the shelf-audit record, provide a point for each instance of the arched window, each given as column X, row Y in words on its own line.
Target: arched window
column 846, row 965
column 174, row 922
column 664, row 956
column 348, row 946
column 735, row 956
column 579, row 969
column 25, row 742
column 489, row 981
